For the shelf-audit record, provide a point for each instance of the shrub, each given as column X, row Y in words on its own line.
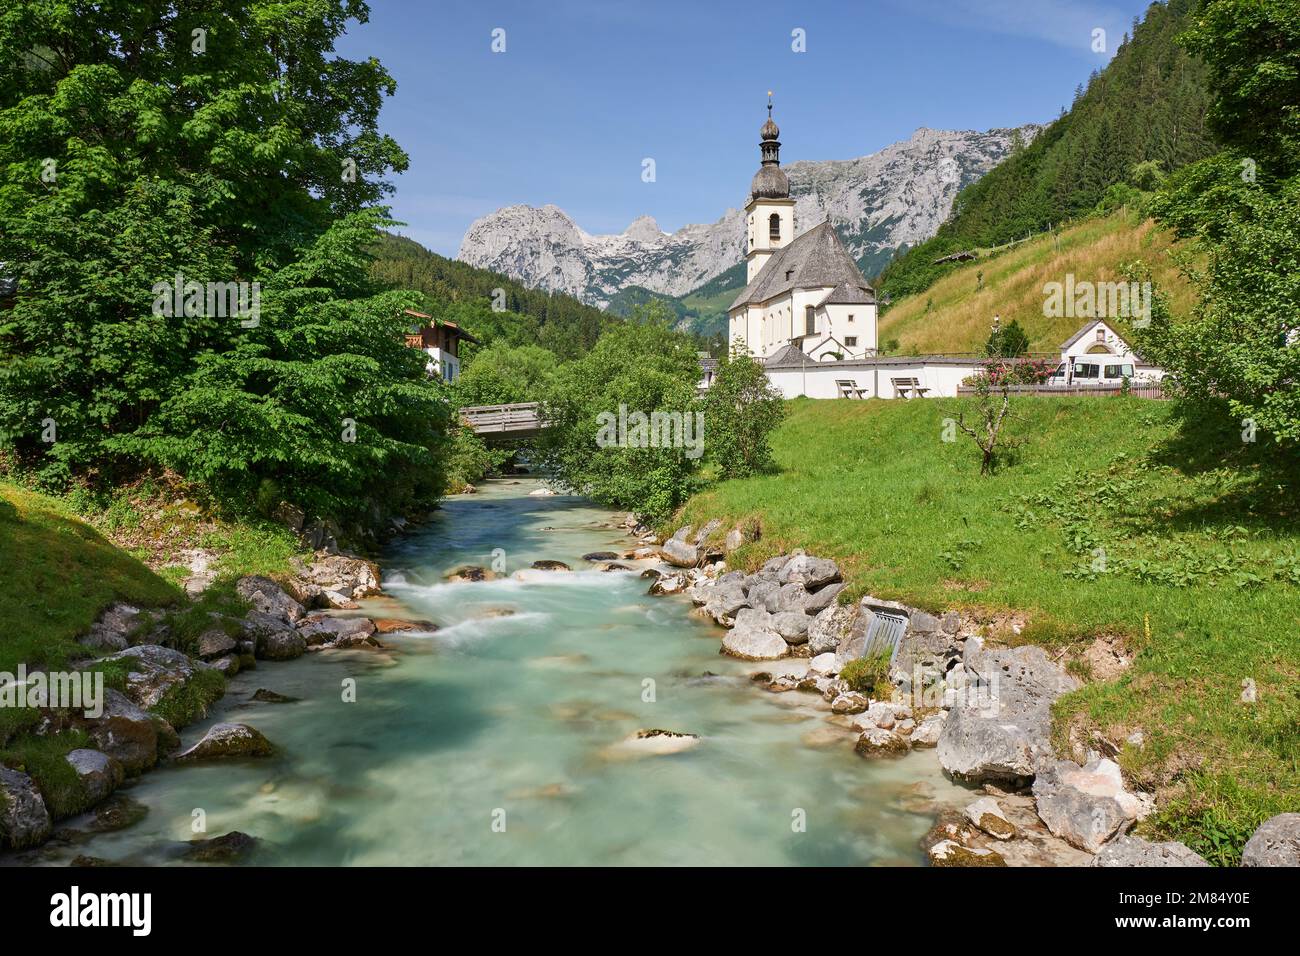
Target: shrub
column 866, row 674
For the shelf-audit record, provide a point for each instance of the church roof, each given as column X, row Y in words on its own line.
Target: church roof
column 817, row 258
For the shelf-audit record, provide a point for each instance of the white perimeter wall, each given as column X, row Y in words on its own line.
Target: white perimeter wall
column 818, row 379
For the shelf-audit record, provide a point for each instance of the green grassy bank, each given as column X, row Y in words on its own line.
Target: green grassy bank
column 1180, row 545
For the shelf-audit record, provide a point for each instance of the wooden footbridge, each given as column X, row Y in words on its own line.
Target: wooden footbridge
column 505, row 422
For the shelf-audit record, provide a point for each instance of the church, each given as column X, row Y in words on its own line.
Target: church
column 804, row 292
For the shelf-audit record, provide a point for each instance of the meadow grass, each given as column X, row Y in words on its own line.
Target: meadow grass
column 1176, row 540
column 956, row 312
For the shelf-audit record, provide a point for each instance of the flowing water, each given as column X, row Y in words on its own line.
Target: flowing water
column 495, row 740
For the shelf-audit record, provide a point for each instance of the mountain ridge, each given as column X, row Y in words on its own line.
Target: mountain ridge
column 881, row 202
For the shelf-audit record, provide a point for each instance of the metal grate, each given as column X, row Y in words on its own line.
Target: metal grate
column 883, row 634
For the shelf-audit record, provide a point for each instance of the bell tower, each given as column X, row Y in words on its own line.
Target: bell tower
column 769, row 214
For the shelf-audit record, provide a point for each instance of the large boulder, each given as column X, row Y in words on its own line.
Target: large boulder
column 24, row 820
column 99, row 773
column 724, row 601
column 753, row 638
column 705, row 533
column 999, row 729
column 266, row 596
column 1275, row 843
column 1134, row 851
column 1085, row 806
column 811, row 572
column 878, row 742
column 319, row 630
column 229, row 740
column 763, row 594
column 154, row 670
column 273, row 638
column 791, row 625
column 828, row 628
column 679, row 553
column 125, row 732
column 215, row 642
column 823, row 598
column 350, row 576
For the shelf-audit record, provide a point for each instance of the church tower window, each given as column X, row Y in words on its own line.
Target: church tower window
column 774, row 226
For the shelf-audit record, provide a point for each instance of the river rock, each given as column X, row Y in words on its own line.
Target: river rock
column 350, row 576
column 679, row 553
column 762, row 594
column 1085, row 806
column 988, row 816
column 228, row 740
column 470, row 573
column 828, row 628
column 320, row 630
column 789, row 597
column 850, row 702
column 709, row 529
column 792, row 625
column 952, row 853
column 215, row 642
column 99, row 773
column 823, row 664
column 811, row 572
column 227, row 848
column 928, row 731
column 550, row 566
column 114, row 629
column 1000, row 729
column 735, row 538
column 724, row 601
column 753, row 638
column 125, row 732
column 393, row 625
column 1275, row 843
column 823, row 598
column 262, row 695
column 601, row 556
column 266, row 596
column 651, row 743
column 878, row 742
column 273, row 639
column 1134, row 851
column 673, row 583
column 154, row 670
column 24, row 820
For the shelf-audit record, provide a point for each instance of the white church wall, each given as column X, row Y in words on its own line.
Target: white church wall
column 819, row 379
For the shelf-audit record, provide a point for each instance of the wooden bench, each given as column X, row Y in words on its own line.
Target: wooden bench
column 904, row 386
column 849, row 388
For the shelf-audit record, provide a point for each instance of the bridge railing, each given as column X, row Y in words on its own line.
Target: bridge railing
column 522, row 416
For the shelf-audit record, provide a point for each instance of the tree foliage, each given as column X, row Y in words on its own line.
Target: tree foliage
column 638, row 367
column 222, row 142
column 1241, row 347
column 741, row 409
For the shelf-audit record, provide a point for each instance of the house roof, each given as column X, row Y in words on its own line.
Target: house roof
column 428, row 320
column 815, row 259
column 847, row 293
column 1087, row 327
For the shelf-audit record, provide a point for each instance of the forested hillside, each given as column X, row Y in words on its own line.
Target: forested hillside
column 465, row 294
column 1148, row 106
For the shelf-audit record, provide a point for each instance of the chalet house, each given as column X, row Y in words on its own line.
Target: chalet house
column 440, row 340
column 1098, row 355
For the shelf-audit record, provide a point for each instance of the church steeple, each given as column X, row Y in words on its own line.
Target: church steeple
column 770, row 210
column 770, row 147
column 770, row 181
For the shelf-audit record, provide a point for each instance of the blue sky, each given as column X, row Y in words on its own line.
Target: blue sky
column 587, row 89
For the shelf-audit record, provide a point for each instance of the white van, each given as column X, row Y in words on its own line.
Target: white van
column 1089, row 370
